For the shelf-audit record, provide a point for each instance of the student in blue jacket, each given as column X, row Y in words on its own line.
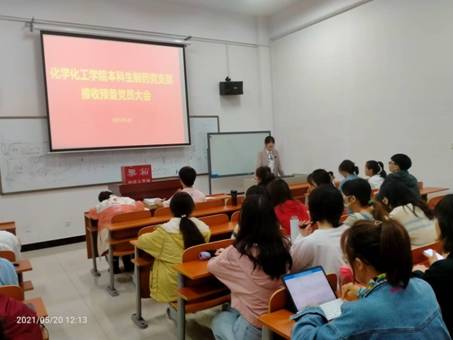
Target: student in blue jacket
column 391, row 305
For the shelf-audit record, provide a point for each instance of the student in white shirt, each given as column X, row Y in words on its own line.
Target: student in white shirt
column 187, row 176
column 409, row 210
column 376, row 174
column 9, row 241
column 321, row 246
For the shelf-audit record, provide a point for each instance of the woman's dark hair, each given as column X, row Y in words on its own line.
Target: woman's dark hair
column 326, row 203
column 386, row 246
column 187, row 175
column 279, row 191
column 444, row 215
column 360, row 188
column 377, row 168
column 104, row 195
column 398, row 194
column 402, row 160
column 256, row 190
column 269, row 139
column 265, row 175
column 182, row 205
column 260, row 238
column 348, row 167
column 319, row 177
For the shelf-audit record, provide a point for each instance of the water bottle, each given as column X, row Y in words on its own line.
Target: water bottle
column 294, row 227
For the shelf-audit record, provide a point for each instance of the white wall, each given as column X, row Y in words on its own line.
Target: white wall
column 366, row 84
column 49, row 215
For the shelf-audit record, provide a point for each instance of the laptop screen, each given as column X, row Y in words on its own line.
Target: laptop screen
column 309, row 288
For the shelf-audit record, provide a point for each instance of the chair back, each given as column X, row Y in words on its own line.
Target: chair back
column 209, row 204
column 213, row 220
column 163, row 211
column 14, row 292
column 279, row 300
column 145, row 230
column 191, row 254
column 135, row 215
column 9, row 255
column 417, row 253
column 235, row 217
column 435, row 201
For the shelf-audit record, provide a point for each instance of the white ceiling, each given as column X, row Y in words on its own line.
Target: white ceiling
column 249, row 7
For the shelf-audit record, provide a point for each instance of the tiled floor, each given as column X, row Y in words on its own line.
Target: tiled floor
column 61, row 276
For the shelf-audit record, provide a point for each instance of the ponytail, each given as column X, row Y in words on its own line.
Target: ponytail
column 349, row 167
column 384, row 245
column 190, row 233
column 182, row 205
column 381, row 171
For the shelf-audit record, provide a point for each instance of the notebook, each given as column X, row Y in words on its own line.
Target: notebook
column 310, row 287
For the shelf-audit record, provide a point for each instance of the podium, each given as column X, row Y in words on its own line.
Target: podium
column 159, row 187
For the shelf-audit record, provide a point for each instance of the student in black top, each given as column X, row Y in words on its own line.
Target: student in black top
column 440, row 274
column 264, row 176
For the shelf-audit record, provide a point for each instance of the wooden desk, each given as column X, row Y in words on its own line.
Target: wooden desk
column 193, row 270
column 277, row 322
column 91, row 234
column 8, row 226
column 23, row 266
column 425, row 191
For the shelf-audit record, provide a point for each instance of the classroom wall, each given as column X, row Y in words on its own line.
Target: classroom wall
column 49, row 215
column 366, row 84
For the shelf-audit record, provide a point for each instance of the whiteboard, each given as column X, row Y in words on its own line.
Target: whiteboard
column 27, row 165
column 234, row 153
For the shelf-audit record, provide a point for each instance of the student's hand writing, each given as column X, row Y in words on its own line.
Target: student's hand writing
column 350, row 292
column 219, row 251
column 434, row 258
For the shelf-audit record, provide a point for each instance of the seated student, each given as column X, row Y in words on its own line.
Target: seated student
column 187, row 176
column 8, row 275
column 376, row 174
column 251, row 268
column 9, row 241
column 399, row 165
column 412, row 212
column 253, row 190
column 357, row 198
column 321, row 247
column 13, row 311
column 285, row 206
column 110, row 205
column 348, row 170
column 264, row 176
column 392, row 305
column 440, row 274
column 319, row 177
column 167, row 244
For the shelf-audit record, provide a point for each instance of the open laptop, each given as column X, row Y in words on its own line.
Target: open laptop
column 310, row 287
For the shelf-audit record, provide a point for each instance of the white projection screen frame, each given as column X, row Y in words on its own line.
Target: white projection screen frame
column 130, row 116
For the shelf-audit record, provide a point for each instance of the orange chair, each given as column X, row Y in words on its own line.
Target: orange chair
column 14, row 292
column 213, row 220
column 145, row 230
column 235, row 217
column 135, row 215
column 434, row 201
column 199, row 294
column 417, row 253
column 163, row 211
column 9, row 255
column 219, row 224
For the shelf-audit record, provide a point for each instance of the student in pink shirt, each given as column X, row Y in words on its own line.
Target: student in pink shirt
column 251, row 268
column 187, row 176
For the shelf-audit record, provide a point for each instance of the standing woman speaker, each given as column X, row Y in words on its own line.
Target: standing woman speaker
column 270, row 157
